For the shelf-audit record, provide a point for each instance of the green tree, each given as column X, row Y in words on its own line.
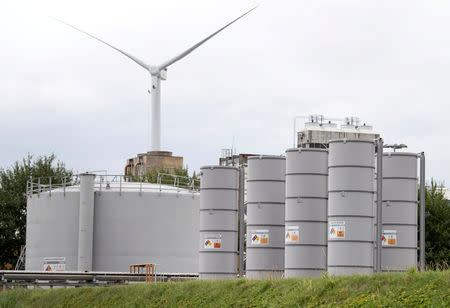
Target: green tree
column 437, row 222
column 168, row 177
column 13, row 202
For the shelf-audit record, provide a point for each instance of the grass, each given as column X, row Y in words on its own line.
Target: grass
column 411, row 289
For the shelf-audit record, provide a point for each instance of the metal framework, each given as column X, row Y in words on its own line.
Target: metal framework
column 12, row 279
column 149, row 270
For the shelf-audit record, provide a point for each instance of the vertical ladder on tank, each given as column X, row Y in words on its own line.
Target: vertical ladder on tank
column 20, row 265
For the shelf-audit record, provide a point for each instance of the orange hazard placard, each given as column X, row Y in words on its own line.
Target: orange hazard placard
column 259, row 237
column 389, row 238
column 291, row 234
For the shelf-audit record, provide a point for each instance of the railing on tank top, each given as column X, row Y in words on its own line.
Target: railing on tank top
column 162, row 182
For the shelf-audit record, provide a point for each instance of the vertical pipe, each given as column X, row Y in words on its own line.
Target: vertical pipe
column 379, row 201
column 422, row 211
column 295, row 128
column 241, row 220
column 86, row 222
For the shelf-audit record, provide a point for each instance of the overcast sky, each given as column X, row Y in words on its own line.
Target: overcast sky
column 387, row 62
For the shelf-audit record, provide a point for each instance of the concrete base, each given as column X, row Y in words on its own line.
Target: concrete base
column 347, row 271
column 154, row 160
column 300, row 273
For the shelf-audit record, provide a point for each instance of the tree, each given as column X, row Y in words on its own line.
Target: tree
column 168, row 177
column 437, row 222
column 13, row 202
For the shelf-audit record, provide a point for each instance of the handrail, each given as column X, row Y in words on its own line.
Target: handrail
column 104, row 182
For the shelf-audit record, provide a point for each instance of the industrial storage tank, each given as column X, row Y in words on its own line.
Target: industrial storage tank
column 218, row 222
column 265, row 216
column 399, row 232
column 350, row 207
column 133, row 223
column 306, row 212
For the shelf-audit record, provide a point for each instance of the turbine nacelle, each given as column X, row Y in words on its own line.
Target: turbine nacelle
column 158, row 72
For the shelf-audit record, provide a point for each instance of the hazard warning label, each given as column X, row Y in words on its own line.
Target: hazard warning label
column 336, row 230
column 389, row 238
column 54, row 264
column 260, row 237
column 291, row 234
column 212, row 241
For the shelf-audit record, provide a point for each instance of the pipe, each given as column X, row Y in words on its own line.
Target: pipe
column 379, row 202
column 241, row 220
column 422, row 211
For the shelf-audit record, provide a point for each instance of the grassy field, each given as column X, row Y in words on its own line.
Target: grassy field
column 411, row 289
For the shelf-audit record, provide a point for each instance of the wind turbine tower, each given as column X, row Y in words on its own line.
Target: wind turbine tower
column 157, row 73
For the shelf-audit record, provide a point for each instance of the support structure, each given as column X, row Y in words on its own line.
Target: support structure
column 155, row 101
column 422, row 211
column 241, row 220
column 379, row 203
column 86, row 222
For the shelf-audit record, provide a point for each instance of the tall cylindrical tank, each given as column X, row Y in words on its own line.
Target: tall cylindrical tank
column 306, row 212
column 86, row 222
column 265, row 216
column 218, row 222
column 399, row 238
column 350, row 207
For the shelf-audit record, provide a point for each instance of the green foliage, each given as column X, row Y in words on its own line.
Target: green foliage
column 437, row 222
column 168, row 177
column 416, row 289
column 13, row 203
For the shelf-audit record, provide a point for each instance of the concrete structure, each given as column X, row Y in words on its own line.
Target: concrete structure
column 132, row 223
column 306, row 212
column 86, row 222
column 318, row 131
column 150, row 161
column 265, row 216
column 350, row 207
column 218, row 222
column 399, row 238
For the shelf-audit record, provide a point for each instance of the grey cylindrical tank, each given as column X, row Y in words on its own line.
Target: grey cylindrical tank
column 350, row 207
column 86, row 222
column 306, row 212
column 218, row 222
column 265, row 216
column 399, row 238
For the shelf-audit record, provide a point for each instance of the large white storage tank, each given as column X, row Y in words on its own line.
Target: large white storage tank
column 218, row 222
column 350, row 207
column 265, row 216
column 399, row 232
column 306, row 212
column 133, row 223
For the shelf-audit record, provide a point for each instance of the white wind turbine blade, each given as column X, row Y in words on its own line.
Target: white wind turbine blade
column 138, row 61
column 188, row 51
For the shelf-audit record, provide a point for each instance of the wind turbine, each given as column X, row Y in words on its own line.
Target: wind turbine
column 157, row 73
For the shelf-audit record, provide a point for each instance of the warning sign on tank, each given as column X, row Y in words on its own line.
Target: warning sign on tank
column 260, row 237
column 54, row 264
column 291, row 235
column 212, row 241
column 389, row 238
column 336, row 229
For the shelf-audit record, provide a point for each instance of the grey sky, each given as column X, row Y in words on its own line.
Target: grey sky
column 387, row 62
